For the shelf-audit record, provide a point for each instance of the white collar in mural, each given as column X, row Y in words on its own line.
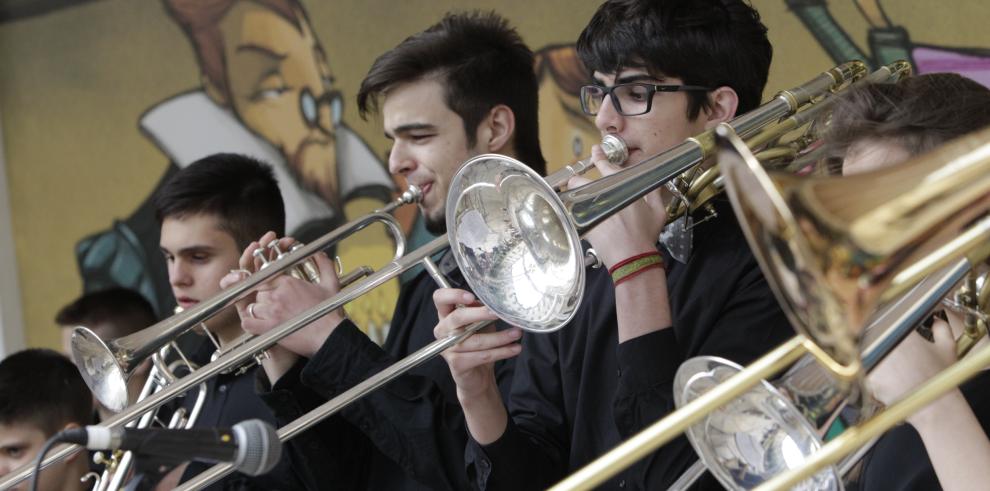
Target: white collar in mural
column 190, row 126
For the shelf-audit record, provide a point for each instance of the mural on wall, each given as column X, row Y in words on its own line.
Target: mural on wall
column 566, row 133
column 266, row 90
column 887, row 42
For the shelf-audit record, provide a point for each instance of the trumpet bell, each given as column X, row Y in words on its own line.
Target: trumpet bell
column 102, row 371
column 508, row 231
column 753, row 438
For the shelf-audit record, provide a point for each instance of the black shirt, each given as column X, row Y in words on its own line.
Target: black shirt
column 231, row 398
column 409, row 434
column 899, row 461
column 577, row 392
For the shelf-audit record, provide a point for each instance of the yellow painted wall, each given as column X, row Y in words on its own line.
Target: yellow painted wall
column 73, row 83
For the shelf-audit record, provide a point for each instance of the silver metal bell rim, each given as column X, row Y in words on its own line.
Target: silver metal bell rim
column 711, row 370
column 99, row 369
column 512, row 168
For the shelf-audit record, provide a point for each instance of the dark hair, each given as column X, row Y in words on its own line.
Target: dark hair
column 711, row 43
column 200, row 21
column 918, row 113
column 120, row 310
column 43, row 388
column 481, row 61
column 240, row 190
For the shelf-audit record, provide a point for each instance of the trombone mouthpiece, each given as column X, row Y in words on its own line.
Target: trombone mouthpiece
column 615, row 149
column 411, row 195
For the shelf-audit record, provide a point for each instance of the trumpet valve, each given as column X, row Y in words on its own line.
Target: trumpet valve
column 306, row 270
column 259, row 253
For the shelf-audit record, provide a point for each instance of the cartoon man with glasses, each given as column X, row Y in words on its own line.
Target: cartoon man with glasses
column 267, row 91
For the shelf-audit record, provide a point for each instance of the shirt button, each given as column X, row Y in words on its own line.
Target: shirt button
column 618, row 372
column 622, row 483
column 222, row 388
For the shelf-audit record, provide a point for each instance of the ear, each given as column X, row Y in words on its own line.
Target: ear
column 213, row 91
column 724, row 104
column 495, row 133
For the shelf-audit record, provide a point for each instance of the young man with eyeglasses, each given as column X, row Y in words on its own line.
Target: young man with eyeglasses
column 664, row 71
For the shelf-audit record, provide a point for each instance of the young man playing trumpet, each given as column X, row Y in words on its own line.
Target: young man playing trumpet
column 461, row 88
column 209, row 211
column 664, row 71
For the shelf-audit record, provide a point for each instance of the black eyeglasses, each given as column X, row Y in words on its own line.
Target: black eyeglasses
column 630, row 99
column 309, row 106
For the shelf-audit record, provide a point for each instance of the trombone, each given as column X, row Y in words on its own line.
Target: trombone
column 514, row 246
column 833, row 251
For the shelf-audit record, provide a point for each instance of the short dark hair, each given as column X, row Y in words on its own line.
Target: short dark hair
column 481, row 61
column 121, row 310
column 711, row 43
column 43, row 388
column 240, row 190
column 918, row 113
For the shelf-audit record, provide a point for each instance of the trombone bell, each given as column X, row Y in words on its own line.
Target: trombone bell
column 102, row 367
column 754, row 437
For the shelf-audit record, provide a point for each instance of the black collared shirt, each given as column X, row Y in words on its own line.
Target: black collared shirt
column 231, row 398
column 577, row 392
column 409, row 434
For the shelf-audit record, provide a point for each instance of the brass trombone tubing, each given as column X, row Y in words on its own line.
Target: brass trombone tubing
column 857, row 436
column 887, row 73
column 592, row 203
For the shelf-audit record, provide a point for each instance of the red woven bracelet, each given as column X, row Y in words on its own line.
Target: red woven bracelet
column 628, row 268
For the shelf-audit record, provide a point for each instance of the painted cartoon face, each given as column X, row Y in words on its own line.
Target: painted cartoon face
column 281, row 88
column 428, row 143
column 198, row 253
column 665, row 125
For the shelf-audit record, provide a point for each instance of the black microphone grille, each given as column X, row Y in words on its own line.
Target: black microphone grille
column 258, row 447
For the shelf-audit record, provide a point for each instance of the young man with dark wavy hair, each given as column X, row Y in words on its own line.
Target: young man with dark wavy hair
column 463, row 87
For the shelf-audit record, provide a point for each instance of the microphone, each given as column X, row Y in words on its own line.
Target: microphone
column 252, row 446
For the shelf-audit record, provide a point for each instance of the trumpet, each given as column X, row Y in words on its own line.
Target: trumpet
column 833, row 252
column 106, row 366
column 118, row 464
